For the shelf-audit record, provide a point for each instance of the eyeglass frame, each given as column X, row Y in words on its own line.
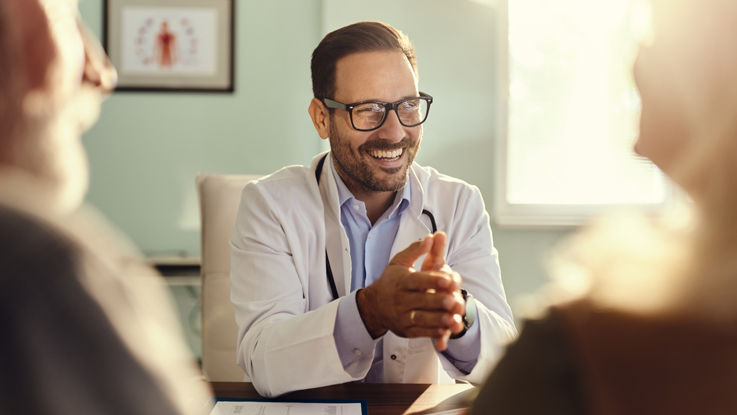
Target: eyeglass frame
column 388, row 106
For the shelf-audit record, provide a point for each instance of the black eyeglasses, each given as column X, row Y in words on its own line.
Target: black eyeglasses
column 370, row 115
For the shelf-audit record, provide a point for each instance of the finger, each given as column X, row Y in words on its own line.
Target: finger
column 455, row 277
column 441, row 301
column 457, row 325
column 413, row 332
column 409, row 255
column 441, row 342
column 442, row 280
column 457, row 305
column 433, row 319
column 428, row 280
column 435, row 259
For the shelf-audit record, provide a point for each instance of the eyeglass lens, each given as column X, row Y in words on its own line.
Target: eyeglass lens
column 371, row 115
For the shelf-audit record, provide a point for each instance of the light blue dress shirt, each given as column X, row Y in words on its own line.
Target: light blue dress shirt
column 370, row 253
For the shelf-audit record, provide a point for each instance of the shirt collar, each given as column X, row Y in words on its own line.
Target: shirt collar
column 401, row 201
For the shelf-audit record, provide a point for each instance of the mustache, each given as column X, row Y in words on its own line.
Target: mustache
column 381, row 144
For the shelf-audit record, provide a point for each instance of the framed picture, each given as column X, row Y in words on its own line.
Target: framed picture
column 182, row 45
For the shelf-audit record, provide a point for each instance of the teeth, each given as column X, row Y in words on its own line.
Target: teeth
column 386, row 154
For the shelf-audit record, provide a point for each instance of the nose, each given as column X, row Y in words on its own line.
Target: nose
column 98, row 72
column 392, row 129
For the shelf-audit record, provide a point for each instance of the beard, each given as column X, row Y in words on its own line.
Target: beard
column 360, row 174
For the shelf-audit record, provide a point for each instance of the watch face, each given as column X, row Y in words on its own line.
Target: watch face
column 470, row 315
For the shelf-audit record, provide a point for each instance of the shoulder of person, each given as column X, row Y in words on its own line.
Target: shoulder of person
column 26, row 236
column 289, row 188
column 285, row 178
column 442, row 187
column 31, row 252
column 428, row 175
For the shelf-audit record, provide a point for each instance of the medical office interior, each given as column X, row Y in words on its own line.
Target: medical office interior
column 148, row 147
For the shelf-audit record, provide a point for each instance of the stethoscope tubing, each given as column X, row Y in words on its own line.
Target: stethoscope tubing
column 328, row 268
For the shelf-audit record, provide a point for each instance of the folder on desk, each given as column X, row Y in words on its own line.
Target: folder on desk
column 268, row 407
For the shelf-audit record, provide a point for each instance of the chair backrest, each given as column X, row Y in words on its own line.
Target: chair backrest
column 219, row 199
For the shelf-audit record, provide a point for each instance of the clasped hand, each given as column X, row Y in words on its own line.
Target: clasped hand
column 411, row 303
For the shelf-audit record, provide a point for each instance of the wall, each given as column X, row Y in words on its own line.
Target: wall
column 148, row 147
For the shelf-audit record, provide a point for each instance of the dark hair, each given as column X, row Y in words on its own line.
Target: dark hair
column 354, row 38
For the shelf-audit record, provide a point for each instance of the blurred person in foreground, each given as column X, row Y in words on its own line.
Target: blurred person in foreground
column 84, row 331
column 647, row 321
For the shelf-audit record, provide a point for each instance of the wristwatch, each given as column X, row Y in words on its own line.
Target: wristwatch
column 469, row 316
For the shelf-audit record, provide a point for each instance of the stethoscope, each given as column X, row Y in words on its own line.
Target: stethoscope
column 331, row 279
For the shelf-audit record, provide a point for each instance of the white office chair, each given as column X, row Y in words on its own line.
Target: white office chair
column 219, row 199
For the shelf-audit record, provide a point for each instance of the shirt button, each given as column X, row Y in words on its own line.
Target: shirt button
column 394, row 357
column 357, row 351
column 356, row 206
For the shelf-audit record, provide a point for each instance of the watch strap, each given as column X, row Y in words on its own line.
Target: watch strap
column 469, row 317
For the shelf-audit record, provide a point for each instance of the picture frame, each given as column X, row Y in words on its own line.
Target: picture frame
column 167, row 45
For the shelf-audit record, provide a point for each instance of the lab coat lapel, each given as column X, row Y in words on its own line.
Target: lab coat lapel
column 336, row 242
column 412, row 227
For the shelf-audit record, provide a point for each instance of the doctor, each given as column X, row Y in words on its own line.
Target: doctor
column 365, row 266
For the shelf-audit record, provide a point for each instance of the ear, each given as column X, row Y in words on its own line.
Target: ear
column 320, row 117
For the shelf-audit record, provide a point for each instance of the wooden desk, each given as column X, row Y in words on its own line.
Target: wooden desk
column 382, row 398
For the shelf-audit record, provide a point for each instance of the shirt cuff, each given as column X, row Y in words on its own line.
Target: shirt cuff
column 464, row 351
column 351, row 337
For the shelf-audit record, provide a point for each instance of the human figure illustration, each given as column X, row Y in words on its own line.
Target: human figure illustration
column 166, row 46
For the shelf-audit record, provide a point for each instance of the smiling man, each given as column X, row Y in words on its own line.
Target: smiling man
column 365, row 266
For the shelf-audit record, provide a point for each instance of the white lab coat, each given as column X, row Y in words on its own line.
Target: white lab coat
column 283, row 305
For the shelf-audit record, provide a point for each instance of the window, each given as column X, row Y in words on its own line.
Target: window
column 572, row 113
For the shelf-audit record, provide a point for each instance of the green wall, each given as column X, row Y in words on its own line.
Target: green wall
column 147, row 148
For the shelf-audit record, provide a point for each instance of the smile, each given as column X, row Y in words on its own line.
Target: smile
column 386, row 154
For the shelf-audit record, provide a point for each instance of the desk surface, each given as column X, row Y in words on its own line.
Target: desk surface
column 382, row 398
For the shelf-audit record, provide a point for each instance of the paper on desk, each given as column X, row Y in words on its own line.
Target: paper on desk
column 284, row 408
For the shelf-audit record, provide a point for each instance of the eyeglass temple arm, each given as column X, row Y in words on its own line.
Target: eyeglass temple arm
column 334, row 104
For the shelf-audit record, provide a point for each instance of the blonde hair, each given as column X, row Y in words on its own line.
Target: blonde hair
column 707, row 167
